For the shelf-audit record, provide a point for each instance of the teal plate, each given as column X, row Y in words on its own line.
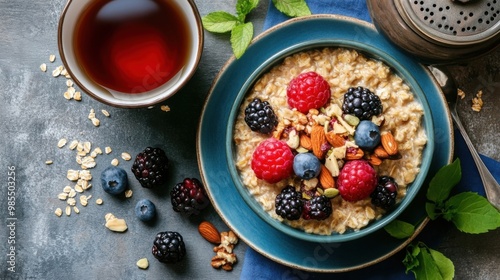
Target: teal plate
column 216, row 173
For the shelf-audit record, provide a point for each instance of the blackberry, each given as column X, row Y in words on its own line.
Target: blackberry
column 150, row 167
column 169, row 247
column 260, row 116
column 189, row 197
column 385, row 193
column 289, row 204
column 317, row 208
column 362, row 103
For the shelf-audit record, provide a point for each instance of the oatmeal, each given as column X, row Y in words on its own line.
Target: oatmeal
column 399, row 122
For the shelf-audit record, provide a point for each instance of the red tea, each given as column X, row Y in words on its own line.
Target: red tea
column 131, row 46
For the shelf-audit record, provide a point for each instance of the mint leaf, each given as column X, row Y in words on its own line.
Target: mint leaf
column 244, row 7
column 292, row 8
column 444, row 180
column 445, row 265
column 219, row 22
column 428, row 264
column 471, row 213
column 241, row 36
column 430, row 208
column 400, row 229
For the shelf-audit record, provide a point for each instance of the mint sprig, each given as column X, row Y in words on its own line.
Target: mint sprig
column 428, row 264
column 241, row 31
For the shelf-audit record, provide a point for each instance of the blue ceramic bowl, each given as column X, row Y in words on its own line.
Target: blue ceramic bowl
column 368, row 51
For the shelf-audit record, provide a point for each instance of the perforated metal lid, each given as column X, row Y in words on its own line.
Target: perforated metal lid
column 453, row 22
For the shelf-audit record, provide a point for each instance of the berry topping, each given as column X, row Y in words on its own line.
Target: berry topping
column 308, row 91
column 289, row 204
column 260, row 116
column 317, row 208
column 385, row 193
column 306, row 166
column 150, row 167
column 145, row 210
column 272, row 161
column 362, row 103
column 114, row 180
column 168, row 247
column 189, row 197
column 367, row 135
column 356, row 180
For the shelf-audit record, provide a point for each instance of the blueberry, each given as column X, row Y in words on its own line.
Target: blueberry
column 367, row 135
column 306, row 166
column 114, row 180
column 145, row 210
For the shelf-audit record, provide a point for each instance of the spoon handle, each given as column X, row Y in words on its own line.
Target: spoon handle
column 491, row 186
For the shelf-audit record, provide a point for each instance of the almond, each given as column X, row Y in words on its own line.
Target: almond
column 325, row 178
column 374, row 160
column 318, row 138
column 380, row 152
column 334, row 139
column 389, row 143
column 209, row 232
column 354, row 153
column 305, row 141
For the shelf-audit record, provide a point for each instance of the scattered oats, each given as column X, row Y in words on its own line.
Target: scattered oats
column 83, row 200
column 128, row 193
column 77, row 96
column 126, row 156
column 79, row 188
column 108, row 150
column 93, row 154
column 58, row 212
column 48, row 162
column 71, row 201
column 43, row 67
column 72, row 175
column 165, row 108
column 67, row 189
column 73, row 144
column 72, row 193
column 62, row 142
column 106, row 113
column 62, row 196
column 87, row 146
column 64, row 72
column 89, row 197
column 69, row 83
column 98, row 151
column 71, row 90
column 67, row 95
column 85, row 175
column 81, row 153
column 115, row 162
column 87, row 186
column 68, row 210
column 98, row 201
column 96, row 122
column 143, row 263
column 79, row 146
column 91, row 114
column 78, row 159
column 52, row 58
column 76, row 210
column 477, row 102
column 151, row 107
column 56, row 72
column 67, row 76
column 109, row 217
column 461, row 94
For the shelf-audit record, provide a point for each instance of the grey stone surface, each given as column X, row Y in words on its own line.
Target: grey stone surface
column 34, row 116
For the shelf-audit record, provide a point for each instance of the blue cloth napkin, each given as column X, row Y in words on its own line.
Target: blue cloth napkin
column 256, row 266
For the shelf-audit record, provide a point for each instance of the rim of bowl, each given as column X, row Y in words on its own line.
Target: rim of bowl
column 412, row 189
column 192, row 66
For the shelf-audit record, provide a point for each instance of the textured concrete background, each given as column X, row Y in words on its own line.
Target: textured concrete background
column 34, row 116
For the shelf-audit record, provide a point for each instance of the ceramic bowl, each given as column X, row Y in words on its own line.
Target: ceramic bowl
column 370, row 52
column 66, row 42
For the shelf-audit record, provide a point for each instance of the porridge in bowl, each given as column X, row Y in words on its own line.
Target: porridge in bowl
column 329, row 140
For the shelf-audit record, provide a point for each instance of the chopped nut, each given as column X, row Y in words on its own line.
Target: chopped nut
column 58, row 212
column 165, row 108
column 461, row 94
column 477, row 102
column 143, row 263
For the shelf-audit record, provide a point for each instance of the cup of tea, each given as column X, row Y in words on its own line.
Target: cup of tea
column 130, row 53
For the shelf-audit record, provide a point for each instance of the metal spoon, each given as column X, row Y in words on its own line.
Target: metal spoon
column 449, row 87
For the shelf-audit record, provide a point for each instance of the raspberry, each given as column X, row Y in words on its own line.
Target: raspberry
column 272, row 161
column 308, row 91
column 357, row 180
